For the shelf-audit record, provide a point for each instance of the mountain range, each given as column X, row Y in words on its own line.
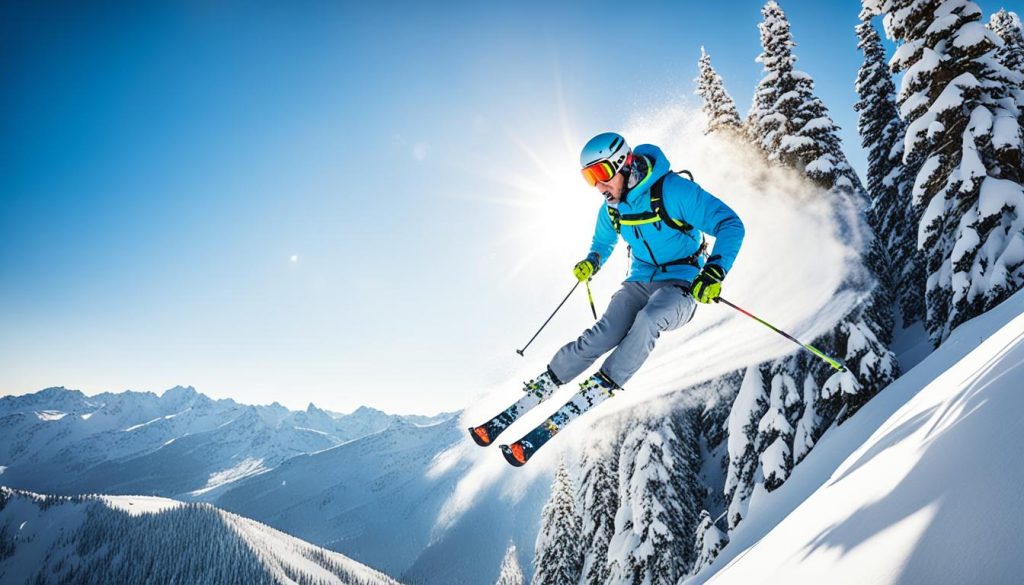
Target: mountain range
column 180, row 444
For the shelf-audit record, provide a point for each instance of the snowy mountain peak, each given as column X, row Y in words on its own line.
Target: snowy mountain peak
column 56, row 398
column 182, row 396
column 399, row 423
column 248, row 416
column 179, row 392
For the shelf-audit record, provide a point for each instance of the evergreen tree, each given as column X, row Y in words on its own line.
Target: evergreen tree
column 684, row 442
column 1007, row 25
column 652, row 541
column 510, row 573
column 743, row 446
column 793, row 127
column 794, row 398
column 890, row 209
column 808, row 427
column 775, row 430
column 710, row 541
column 559, row 558
column 599, row 498
column 963, row 147
column 787, row 120
column 719, row 107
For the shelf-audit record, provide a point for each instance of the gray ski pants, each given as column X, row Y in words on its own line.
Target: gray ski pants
column 635, row 318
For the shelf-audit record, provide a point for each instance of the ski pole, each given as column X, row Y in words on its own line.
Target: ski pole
column 830, row 361
column 591, row 297
column 520, row 351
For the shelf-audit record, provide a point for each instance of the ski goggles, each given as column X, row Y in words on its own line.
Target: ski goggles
column 601, row 171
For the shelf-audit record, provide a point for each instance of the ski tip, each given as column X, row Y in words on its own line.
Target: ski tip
column 514, row 454
column 480, row 436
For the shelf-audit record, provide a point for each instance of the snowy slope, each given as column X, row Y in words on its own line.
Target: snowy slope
column 922, row 486
column 133, row 539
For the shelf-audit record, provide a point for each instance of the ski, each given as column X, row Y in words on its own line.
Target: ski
column 593, row 391
column 518, row 453
column 485, row 434
column 536, row 391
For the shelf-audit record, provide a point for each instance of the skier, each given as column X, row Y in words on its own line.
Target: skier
column 663, row 218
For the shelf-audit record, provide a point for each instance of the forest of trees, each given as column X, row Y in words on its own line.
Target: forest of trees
column 940, row 121
column 94, row 542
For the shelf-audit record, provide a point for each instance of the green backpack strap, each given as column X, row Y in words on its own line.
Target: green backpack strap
column 657, row 209
column 613, row 215
column 658, row 205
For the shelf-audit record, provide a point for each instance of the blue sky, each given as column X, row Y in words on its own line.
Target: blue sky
column 322, row 201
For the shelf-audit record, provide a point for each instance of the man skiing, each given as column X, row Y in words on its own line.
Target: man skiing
column 663, row 218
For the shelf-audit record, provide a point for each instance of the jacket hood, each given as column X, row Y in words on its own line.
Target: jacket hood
column 660, row 167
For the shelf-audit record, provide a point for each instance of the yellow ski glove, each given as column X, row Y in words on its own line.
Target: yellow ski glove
column 708, row 284
column 586, row 268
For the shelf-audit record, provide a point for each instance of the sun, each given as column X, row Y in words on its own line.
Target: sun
column 554, row 209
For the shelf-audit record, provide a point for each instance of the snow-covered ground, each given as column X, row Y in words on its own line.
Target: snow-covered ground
column 923, row 485
column 135, row 505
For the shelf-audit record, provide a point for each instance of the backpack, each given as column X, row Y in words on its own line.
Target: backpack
column 656, row 214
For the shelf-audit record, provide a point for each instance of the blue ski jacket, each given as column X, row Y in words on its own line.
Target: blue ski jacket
column 655, row 244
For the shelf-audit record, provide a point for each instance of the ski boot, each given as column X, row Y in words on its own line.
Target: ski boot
column 593, row 391
column 537, row 390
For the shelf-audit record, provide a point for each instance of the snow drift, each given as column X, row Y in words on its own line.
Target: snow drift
column 921, row 486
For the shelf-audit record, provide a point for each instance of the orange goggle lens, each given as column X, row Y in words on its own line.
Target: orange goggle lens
column 599, row 171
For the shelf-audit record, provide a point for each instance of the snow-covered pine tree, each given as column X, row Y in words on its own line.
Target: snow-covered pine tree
column 775, row 430
column 807, row 140
column 1008, row 26
column 775, row 407
column 598, row 500
column 890, row 209
column 747, row 410
column 710, row 541
column 685, row 445
column 808, row 428
column 787, row 120
column 510, row 573
column 719, row 107
column 792, row 126
column 713, row 440
column 558, row 557
column 963, row 146
column 653, row 535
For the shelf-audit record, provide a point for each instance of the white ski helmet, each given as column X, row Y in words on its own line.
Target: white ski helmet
column 603, row 156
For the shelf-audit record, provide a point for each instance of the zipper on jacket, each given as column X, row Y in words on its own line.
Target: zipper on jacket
column 650, row 252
